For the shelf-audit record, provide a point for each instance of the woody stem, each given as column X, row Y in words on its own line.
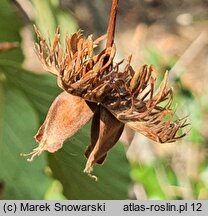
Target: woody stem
column 112, row 24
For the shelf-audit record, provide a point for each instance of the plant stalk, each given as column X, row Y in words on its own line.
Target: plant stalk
column 112, row 24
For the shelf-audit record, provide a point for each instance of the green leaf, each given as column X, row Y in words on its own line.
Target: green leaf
column 19, row 123
column 68, row 164
column 25, row 98
column 39, row 89
column 153, row 57
column 54, row 192
column 10, row 26
column 146, row 175
column 45, row 18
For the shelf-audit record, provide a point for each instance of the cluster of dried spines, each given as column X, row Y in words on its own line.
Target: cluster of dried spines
column 129, row 95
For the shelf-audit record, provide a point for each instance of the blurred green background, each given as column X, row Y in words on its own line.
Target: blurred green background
column 172, row 35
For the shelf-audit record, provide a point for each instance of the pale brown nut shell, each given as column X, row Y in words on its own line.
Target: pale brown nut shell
column 65, row 117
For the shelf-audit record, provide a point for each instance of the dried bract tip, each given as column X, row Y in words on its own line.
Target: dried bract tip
column 88, row 171
column 36, row 152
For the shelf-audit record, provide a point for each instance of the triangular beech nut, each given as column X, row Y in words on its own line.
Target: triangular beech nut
column 105, row 132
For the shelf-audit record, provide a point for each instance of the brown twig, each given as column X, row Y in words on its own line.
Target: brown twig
column 4, row 46
column 112, row 24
